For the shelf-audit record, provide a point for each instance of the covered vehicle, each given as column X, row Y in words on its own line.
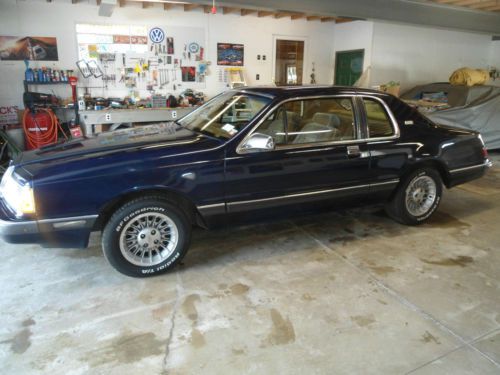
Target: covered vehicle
column 476, row 107
column 246, row 152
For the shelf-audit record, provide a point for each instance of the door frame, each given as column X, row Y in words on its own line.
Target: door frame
column 304, row 39
column 345, row 51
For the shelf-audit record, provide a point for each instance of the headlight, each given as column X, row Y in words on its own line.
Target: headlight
column 17, row 193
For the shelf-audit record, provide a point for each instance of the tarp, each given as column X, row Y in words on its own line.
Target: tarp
column 482, row 114
column 478, row 109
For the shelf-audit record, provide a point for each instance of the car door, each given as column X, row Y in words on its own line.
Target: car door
column 388, row 153
column 318, row 155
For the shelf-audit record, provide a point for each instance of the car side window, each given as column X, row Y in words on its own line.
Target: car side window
column 311, row 121
column 378, row 121
column 274, row 125
column 320, row 120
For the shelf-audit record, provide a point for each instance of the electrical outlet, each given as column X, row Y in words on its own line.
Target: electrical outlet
column 174, row 114
column 257, row 77
column 107, row 116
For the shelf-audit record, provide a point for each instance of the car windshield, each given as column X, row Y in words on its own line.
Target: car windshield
column 225, row 115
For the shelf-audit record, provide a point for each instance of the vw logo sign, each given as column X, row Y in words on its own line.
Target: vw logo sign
column 156, row 35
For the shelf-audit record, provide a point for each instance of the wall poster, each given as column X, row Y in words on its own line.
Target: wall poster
column 229, row 54
column 35, row 48
column 188, row 73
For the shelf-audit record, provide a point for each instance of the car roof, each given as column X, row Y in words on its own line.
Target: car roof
column 284, row 92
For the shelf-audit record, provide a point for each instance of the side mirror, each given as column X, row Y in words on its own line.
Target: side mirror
column 258, row 142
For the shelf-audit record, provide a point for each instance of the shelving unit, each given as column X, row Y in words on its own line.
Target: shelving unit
column 27, row 84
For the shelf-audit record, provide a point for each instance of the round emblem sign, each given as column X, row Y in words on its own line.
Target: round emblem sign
column 194, row 47
column 156, row 35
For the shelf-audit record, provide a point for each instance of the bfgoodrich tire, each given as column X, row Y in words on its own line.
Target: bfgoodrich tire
column 146, row 237
column 417, row 198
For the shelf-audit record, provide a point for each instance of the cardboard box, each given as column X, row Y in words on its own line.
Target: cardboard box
column 100, row 128
column 393, row 90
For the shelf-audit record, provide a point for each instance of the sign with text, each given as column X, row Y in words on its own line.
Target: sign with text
column 8, row 114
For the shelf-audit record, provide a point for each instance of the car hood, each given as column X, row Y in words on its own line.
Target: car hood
column 167, row 135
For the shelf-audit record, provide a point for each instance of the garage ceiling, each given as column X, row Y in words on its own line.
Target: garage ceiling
column 484, row 5
column 107, row 6
column 468, row 15
column 481, row 16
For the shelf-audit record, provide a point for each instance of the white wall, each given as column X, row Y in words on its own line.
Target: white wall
column 494, row 59
column 414, row 55
column 352, row 36
column 495, row 54
column 60, row 17
column 408, row 54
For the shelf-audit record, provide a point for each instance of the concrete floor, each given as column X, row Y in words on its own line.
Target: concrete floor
column 337, row 293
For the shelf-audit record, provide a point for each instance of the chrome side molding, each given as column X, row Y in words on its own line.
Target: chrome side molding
column 311, row 193
column 486, row 164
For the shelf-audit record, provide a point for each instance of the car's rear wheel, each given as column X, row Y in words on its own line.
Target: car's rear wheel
column 417, row 197
column 146, row 237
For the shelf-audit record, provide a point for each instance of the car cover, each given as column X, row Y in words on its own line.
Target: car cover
column 482, row 114
column 476, row 108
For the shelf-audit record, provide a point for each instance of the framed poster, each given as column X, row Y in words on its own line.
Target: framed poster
column 38, row 48
column 170, row 45
column 188, row 73
column 229, row 54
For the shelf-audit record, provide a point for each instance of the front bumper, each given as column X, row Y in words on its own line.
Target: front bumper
column 60, row 232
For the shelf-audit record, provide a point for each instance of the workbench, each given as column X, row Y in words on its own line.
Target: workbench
column 117, row 117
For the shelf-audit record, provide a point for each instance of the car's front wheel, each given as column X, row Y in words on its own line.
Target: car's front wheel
column 417, row 197
column 146, row 237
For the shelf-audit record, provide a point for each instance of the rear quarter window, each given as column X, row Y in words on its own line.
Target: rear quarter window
column 378, row 120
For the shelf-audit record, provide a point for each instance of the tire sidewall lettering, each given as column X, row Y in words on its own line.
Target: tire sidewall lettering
column 153, row 209
column 161, row 267
column 135, row 213
column 116, row 252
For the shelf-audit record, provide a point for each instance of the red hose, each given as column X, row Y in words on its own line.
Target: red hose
column 40, row 128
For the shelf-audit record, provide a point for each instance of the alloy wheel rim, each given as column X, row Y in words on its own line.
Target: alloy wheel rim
column 148, row 239
column 420, row 195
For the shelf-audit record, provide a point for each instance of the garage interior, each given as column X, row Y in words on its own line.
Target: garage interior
column 344, row 291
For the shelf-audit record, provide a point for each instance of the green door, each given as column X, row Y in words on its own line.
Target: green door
column 348, row 67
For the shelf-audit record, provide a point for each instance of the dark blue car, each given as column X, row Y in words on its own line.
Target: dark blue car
column 245, row 151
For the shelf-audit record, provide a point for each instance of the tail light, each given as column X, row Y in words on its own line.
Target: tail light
column 485, row 150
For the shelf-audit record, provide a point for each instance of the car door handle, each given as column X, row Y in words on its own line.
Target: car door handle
column 353, row 151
